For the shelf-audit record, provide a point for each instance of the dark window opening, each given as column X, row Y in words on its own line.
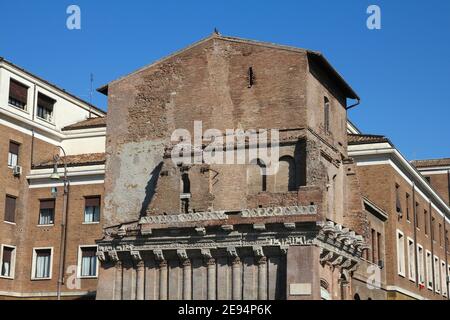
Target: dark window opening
column 89, row 262
column 416, row 216
column 251, row 77
column 398, row 204
column 42, row 263
column 263, row 175
column 7, row 262
column 10, row 209
column 47, row 212
column 92, row 209
column 18, row 94
column 327, row 114
column 186, row 183
column 407, row 207
column 45, row 107
column 13, row 154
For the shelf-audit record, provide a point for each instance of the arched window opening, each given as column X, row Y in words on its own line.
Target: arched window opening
column 286, row 179
column 186, row 182
column 326, row 114
column 257, row 177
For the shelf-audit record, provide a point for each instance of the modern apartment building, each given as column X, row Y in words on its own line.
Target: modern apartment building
column 38, row 121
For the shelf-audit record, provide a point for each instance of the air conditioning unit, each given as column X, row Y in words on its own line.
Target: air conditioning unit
column 17, row 171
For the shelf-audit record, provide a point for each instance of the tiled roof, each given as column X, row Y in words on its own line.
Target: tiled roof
column 431, row 163
column 366, row 138
column 88, row 123
column 75, row 160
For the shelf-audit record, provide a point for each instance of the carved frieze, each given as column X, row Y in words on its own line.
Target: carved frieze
column 279, row 211
column 184, row 218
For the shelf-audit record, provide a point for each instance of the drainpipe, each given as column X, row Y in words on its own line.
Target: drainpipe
column 358, row 102
column 416, row 260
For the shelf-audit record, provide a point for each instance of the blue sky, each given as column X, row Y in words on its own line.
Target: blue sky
column 401, row 72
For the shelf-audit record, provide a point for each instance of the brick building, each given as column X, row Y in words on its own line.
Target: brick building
column 346, row 216
column 36, row 119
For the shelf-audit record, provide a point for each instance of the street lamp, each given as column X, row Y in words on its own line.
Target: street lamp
column 62, row 256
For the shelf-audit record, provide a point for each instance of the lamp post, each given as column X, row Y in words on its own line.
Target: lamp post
column 62, row 256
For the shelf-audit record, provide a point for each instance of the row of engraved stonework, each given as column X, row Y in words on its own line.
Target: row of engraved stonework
column 269, row 241
column 189, row 276
column 220, row 215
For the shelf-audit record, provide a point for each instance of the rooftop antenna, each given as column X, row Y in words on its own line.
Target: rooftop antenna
column 91, row 93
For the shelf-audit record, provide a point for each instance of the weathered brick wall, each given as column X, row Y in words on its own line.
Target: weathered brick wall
column 209, row 83
column 440, row 183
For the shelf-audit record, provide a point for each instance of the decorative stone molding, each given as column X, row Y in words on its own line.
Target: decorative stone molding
column 279, row 211
column 227, row 227
column 206, row 253
column 337, row 260
column 232, row 252
column 184, row 218
column 284, row 249
column 327, row 256
column 159, row 256
column 136, row 256
column 258, row 251
column 182, row 255
column 113, row 255
column 259, row 227
column 200, row 231
column 289, row 225
column 101, row 256
column 341, row 236
column 122, row 232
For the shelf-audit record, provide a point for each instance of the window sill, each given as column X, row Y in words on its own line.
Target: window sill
column 6, row 278
column 41, row 279
column 10, row 223
column 45, row 225
column 402, row 275
column 93, row 277
column 52, row 123
column 91, row 223
column 19, row 109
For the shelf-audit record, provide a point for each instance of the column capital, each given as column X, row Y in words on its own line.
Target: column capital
column 182, row 255
column 113, row 256
column 136, row 256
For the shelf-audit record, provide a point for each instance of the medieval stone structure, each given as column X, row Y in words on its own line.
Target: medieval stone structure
column 211, row 231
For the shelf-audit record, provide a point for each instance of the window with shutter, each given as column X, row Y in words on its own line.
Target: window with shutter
column 10, row 209
column 13, row 154
column 7, row 262
column 47, row 212
column 18, row 94
column 88, row 262
column 45, row 107
column 92, row 210
column 42, row 263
